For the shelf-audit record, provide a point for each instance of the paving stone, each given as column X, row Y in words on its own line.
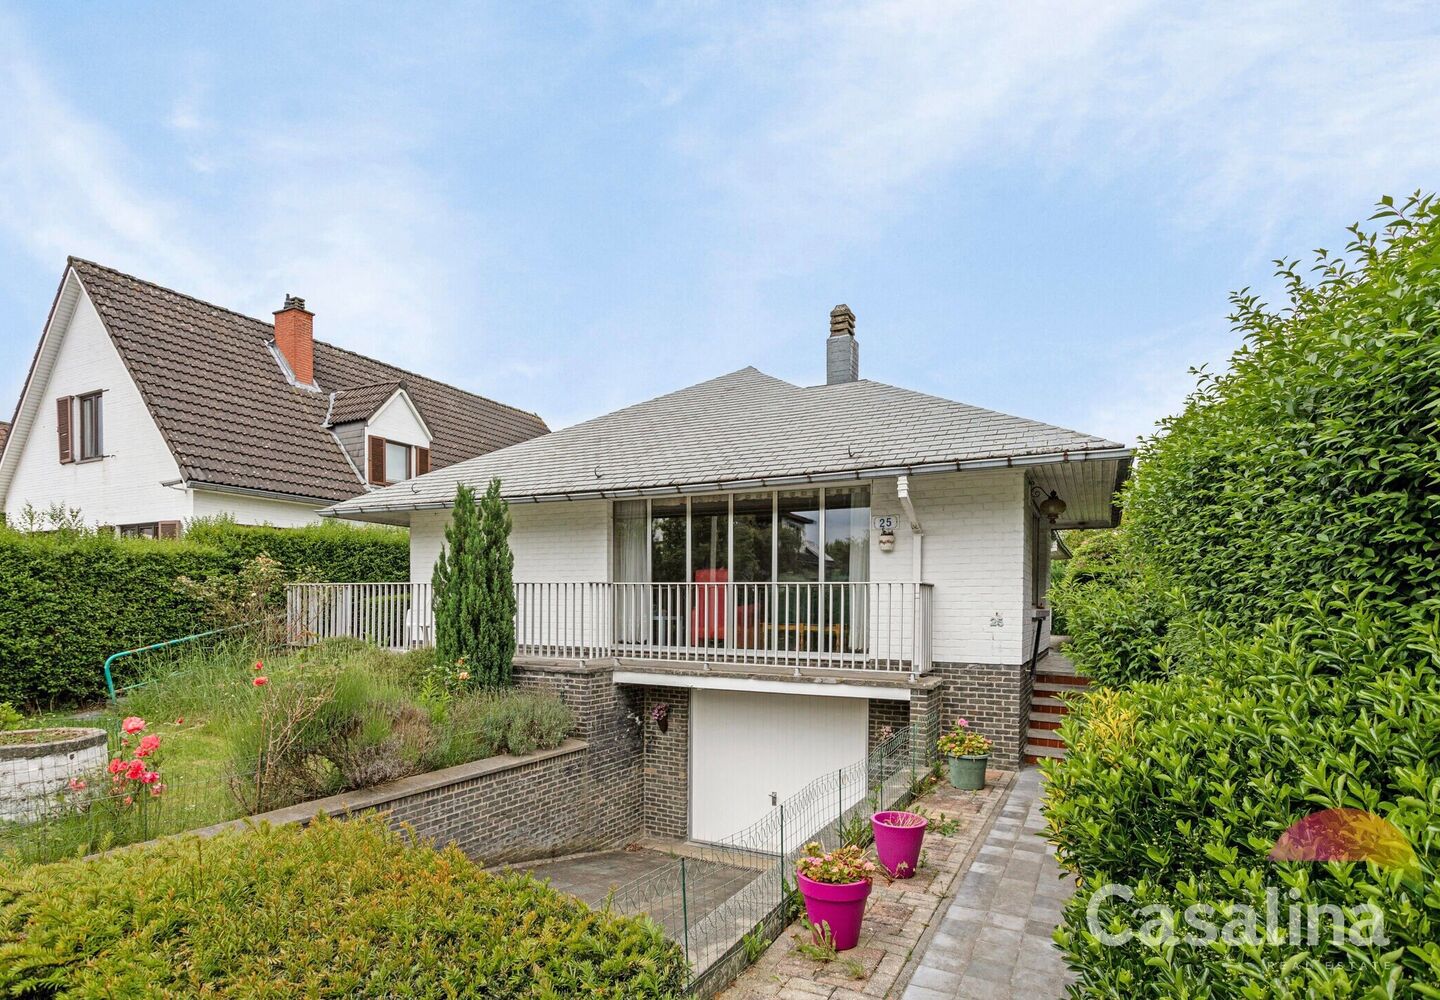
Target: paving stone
column 941, row 980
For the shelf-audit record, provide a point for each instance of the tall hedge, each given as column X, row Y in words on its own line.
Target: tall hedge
column 69, row 599
column 332, row 551
column 1292, row 508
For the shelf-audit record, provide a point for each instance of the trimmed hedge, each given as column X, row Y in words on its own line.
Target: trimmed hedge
column 330, row 551
column 336, row 909
column 1292, row 508
column 71, row 598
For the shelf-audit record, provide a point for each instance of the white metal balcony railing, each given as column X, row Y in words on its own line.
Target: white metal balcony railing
column 884, row 626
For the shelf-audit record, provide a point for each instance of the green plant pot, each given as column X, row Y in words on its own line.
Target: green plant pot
column 968, row 772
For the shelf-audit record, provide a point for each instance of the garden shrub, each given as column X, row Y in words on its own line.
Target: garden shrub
column 335, row 909
column 1186, row 785
column 474, row 588
column 1118, row 612
column 1291, row 507
column 330, row 551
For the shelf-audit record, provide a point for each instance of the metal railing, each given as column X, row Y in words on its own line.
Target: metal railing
column 713, row 897
column 863, row 626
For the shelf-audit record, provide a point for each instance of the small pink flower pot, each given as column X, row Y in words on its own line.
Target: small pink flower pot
column 841, row 907
column 897, row 845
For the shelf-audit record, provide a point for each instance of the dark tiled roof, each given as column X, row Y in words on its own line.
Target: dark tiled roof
column 361, row 402
column 232, row 418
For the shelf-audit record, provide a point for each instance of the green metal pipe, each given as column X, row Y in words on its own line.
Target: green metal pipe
column 110, row 660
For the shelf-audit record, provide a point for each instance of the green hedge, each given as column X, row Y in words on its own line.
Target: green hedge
column 330, row 551
column 1290, row 509
column 71, row 598
column 338, row 909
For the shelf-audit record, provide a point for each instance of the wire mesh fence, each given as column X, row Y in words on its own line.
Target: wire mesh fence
column 723, row 901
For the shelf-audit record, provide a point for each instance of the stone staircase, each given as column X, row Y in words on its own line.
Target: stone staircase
column 1054, row 676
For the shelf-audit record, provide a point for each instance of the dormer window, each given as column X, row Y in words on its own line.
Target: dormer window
column 395, row 461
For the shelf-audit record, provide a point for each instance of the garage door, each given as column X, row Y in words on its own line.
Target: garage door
column 744, row 746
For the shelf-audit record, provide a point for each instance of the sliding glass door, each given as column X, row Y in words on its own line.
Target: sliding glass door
column 776, row 570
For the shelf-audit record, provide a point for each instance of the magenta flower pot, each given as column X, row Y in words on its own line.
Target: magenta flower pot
column 897, row 845
column 841, row 907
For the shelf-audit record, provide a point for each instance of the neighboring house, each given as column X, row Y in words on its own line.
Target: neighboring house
column 790, row 570
column 144, row 407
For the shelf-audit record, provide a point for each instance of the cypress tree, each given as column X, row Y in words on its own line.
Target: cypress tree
column 495, row 622
column 456, row 582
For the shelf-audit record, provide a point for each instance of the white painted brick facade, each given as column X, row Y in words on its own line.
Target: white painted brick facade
column 974, row 554
column 254, row 510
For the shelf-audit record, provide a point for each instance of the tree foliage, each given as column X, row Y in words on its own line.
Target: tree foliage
column 1291, row 510
column 474, row 590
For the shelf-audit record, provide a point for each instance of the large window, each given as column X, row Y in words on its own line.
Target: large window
column 789, row 536
column 397, row 462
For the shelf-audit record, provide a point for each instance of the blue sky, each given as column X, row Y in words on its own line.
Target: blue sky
column 1035, row 207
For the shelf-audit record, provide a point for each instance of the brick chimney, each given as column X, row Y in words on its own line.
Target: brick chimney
column 295, row 337
column 842, row 350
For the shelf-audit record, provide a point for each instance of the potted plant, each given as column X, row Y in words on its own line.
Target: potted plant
column 898, row 837
column 835, row 885
column 969, row 754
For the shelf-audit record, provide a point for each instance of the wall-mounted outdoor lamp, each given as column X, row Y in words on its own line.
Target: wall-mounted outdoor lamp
column 1051, row 506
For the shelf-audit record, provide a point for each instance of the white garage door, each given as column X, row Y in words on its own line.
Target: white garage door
column 744, row 746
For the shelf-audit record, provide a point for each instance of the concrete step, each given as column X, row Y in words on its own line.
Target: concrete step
column 1061, row 680
column 1033, row 753
column 1044, row 703
column 1049, row 723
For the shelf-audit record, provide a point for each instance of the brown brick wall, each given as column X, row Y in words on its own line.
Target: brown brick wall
column 886, row 714
column 610, row 798
column 666, row 767
column 994, row 698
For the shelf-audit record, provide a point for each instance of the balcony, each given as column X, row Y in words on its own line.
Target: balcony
column 849, row 626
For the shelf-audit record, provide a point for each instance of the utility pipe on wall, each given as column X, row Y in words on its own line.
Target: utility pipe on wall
column 917, row 533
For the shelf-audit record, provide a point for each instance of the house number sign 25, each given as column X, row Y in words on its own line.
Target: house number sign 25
column 884, row 523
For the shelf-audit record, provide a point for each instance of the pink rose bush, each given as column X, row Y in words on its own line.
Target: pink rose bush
column 141, row 769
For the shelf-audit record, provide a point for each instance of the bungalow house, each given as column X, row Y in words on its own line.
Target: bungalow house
column 144, row 407
column 789, row 570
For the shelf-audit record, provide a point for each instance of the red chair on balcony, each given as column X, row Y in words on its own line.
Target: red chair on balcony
column 707, row 619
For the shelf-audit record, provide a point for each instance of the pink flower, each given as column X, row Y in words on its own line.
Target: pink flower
column 260, row 682
column 77, row 784
column 116, row 765
column 148, row 746
column 132, row 724
column 155, row 790
column 149, row 778
column 180, row 721
column 128, row 800
column 259, row 665
column 963, row 722
column 135, row 769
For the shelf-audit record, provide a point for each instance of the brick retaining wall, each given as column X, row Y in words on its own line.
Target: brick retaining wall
column 994, row 698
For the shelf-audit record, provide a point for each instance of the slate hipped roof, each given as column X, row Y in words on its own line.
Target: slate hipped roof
column 750, row 428
column 231, row 416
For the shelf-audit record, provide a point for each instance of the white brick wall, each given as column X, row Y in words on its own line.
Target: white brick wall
column 552, row 542
column 122, row 488
column 254, row 510
column 974, row 554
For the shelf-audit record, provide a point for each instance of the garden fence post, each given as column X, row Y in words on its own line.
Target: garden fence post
column 840, row 802
column 684, row 910
column 781, row 872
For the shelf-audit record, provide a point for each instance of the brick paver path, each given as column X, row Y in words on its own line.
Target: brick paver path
column 994, row 939
column 897, row 915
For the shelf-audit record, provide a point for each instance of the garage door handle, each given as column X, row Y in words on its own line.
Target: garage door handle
column 774, row 799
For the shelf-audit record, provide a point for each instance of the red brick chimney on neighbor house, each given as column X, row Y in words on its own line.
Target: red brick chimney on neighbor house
column 295, row 337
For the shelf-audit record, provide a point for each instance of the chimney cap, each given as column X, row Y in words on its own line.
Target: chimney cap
column 842, row 321
column 293, row 302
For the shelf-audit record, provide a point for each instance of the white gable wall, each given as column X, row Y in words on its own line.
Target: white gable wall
column 396, row 421
column 122, row 488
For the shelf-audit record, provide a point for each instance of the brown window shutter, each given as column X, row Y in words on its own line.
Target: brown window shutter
column 62, row 422
column 167, row 529
column 376, row 472
column 422, row 461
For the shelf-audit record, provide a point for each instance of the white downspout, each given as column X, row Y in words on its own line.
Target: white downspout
column 917, row 533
